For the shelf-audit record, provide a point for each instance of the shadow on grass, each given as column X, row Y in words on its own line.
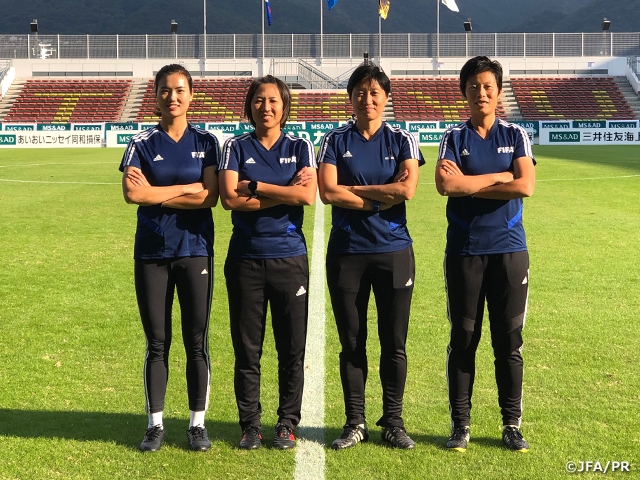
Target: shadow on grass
column 127, row 429
column 120, row 428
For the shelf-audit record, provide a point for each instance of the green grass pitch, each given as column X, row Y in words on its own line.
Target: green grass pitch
column 71, row 346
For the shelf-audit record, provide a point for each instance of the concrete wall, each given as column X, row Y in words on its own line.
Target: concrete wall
column 141, row 68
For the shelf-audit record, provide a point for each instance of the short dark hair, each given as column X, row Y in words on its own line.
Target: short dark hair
column 170, row 70
column 285, row 94
column 369, row 72
column 478, row 65
column 165, row 72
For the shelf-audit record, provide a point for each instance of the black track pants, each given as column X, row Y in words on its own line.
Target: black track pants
column 351, row 279
column 155, row 283
column 503, row 280
column 251, row 285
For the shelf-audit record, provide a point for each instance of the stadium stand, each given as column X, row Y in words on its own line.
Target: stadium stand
column 332, row 106
column 69, row 101
column 579, row 98
column 214, row 100
column 430, row 98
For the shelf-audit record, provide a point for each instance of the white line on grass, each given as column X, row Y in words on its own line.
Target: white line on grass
column 585, row 178
column 49, row 164
column 56, row 183
column 310, row 447
column 613, row 177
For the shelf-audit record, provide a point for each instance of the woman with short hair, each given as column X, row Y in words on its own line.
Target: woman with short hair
column 368, row 170
column 266, row 178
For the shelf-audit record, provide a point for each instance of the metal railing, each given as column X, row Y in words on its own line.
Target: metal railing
column 5, row 65
column 634, row 65
column 413, row 45
column 303, row 73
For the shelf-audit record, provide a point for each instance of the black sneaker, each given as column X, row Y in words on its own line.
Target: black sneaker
column 513, row 440
column 397, row 437
column 198, row 439
column 284, row 438
column 251, row 438
column 351, row 436
column 459, row 439
column 152, row 440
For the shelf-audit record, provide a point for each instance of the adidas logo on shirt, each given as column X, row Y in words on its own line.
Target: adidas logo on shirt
column 250, row 160
column 347, row 154
column 301, row 291
column 465, row 153
column 409, row 283
column 158, row 158
column 204, row 272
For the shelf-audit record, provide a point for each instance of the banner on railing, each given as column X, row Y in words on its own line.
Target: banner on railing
column 590, row 136
column 432, row 137
column 44, row 139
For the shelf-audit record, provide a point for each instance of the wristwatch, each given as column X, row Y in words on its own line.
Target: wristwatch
column 375, row 206
column 253, row 186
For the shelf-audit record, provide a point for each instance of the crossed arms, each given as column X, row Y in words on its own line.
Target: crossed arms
column 451, row 182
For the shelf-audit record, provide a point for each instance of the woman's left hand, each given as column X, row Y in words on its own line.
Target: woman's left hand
column 243, row 188
column 302, row 177
column 401, row 176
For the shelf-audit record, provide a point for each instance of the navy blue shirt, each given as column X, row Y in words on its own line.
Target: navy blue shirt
column 164, row 232
column 274, row 232
column 368, row 162
column 481, row 226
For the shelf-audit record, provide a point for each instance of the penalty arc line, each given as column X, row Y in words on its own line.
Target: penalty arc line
column 310, row 458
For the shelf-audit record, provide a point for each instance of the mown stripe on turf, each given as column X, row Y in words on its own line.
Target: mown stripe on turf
column 310, row 446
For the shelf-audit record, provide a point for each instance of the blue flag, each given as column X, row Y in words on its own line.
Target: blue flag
column 267, row 6
column 331, row 3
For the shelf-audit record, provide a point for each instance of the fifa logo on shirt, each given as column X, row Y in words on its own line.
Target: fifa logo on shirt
column 197, row 154
column 505, row 149
column 288, row 160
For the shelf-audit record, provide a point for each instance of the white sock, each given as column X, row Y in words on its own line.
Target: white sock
column 155, row 419
column 196, row 419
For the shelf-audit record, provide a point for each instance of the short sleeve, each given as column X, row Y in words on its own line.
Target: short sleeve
column 326, row 153
column 410, row 148
column 229, row 160
column 447, row 148
column 212, row 156
column 130, row 157
column 523, row 145
column 306, row 155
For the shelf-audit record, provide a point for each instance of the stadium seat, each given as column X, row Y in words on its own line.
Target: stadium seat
column 577, row 98
column 62, row 101
column 430, row 98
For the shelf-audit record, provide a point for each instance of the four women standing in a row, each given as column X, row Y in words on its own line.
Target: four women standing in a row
column 367, row 171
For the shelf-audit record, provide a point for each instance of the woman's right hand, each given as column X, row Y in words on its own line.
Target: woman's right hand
column 193, row 188
column 504, row 177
